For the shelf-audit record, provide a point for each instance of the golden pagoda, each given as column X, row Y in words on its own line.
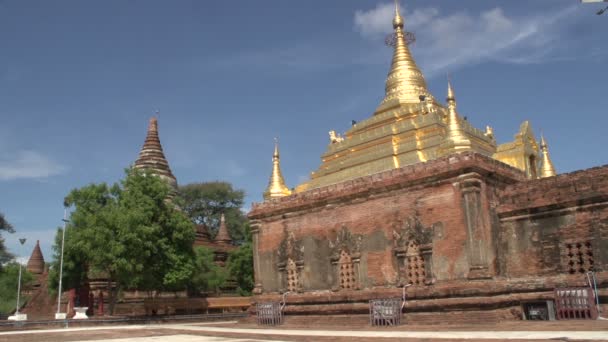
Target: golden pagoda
column 409, row 126
column 276, row 184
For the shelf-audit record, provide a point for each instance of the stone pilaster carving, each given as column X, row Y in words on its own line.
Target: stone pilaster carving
column 413, row 247
column 257, row 279
column 290, row 258
column 479, row 242
column 345, row 260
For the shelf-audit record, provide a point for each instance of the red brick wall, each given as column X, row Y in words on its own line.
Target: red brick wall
column 540, row 218
column 372, row 208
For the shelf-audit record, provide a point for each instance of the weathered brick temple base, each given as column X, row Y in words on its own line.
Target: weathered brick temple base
column 416, row 195
column 469, row 232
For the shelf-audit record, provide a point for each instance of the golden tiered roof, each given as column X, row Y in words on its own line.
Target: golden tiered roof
column 409, row 126
column 152, row 157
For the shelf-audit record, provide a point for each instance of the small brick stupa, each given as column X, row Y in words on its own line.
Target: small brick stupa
column 35, row 264
column 223, row 237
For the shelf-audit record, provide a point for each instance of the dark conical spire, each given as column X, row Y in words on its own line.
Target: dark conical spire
column 152, row 157
column 36, row 263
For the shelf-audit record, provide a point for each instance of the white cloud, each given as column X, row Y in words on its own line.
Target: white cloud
column 447, row 41
column 379, row 20
column 29, row 164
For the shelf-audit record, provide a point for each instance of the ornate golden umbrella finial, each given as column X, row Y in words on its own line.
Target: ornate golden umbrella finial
column 276, row 185
column 547, row 168
column 404, row 83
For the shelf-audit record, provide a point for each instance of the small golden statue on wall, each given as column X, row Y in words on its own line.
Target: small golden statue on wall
column 335, row 137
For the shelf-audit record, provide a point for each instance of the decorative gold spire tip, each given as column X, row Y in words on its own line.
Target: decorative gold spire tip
column 398, row 20
column 456, row 140
column 547, row 168
column 276, row 184
column 276, row 148
column 451, row 97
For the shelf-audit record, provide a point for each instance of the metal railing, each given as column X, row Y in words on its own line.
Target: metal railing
column 271, row 313
column 575, row 303
column 387, row 311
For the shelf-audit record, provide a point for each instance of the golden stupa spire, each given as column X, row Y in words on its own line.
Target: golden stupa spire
column 455, row 140
column 405, row 82
column 276, row 185
column 547, row 168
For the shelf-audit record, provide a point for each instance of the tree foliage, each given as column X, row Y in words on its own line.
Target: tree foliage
column 129, row 234
column 8, row 286
column 240, row 266
column 5, row 256
column 205, row 202
column 208, row 276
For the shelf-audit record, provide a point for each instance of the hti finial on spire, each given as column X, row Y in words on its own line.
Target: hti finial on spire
column 405, row 82
column 451, row 97
column 398, row 20
column 275, row 155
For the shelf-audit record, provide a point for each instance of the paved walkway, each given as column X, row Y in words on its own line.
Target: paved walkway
column 180, row 338
column 209, row 332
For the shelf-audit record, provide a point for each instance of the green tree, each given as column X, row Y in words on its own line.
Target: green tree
column 9, row 277
column 208, row 276
column 5, row 256
column 240, row 266
column 205, row 202
column 129, row 233
column 74, row 263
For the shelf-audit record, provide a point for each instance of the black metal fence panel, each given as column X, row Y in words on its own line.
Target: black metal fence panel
column 385, row 312
column 269, row 313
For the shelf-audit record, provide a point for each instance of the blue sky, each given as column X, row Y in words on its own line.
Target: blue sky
column 80, row 79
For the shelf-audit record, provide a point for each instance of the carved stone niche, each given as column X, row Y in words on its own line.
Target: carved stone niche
column 290, row 264
column 345, row 260
column 413, row 247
